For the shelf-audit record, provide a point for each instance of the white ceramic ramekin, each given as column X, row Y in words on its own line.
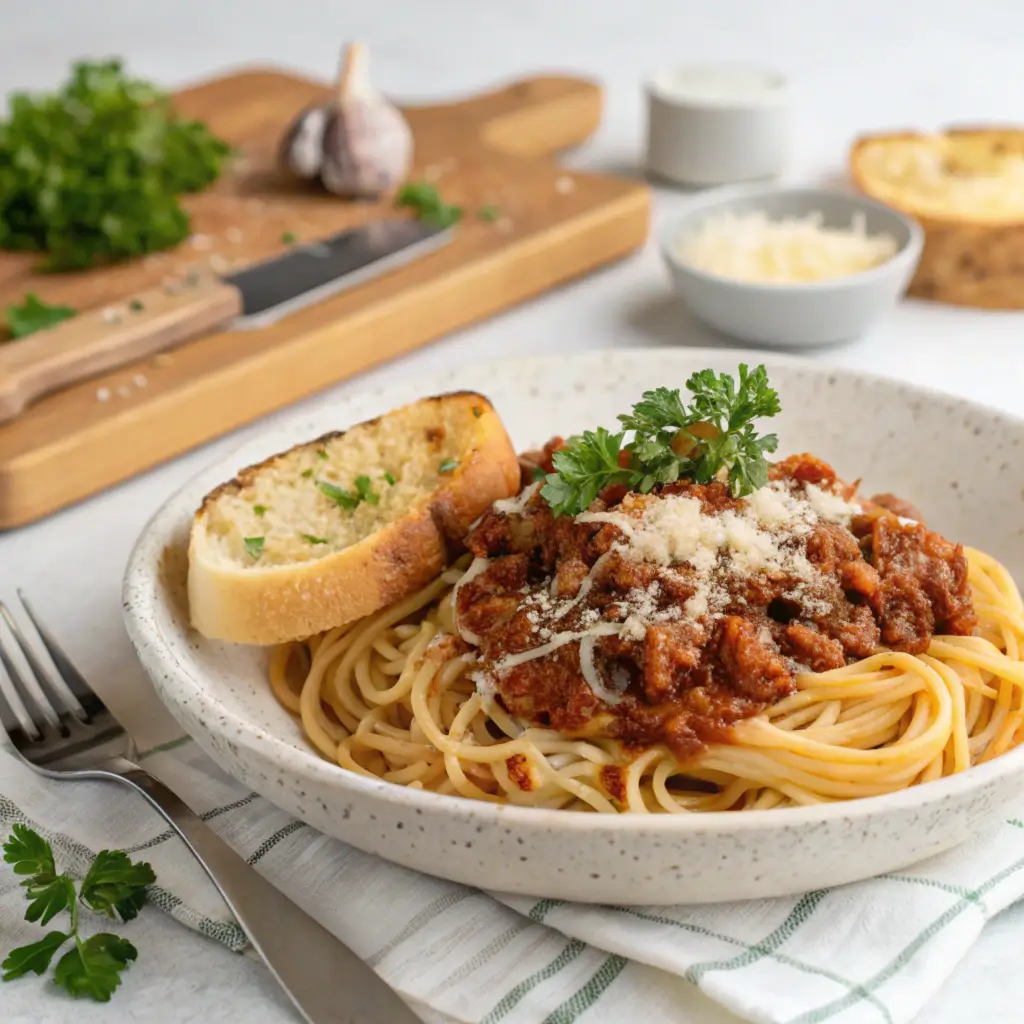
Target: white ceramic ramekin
column 717, row 125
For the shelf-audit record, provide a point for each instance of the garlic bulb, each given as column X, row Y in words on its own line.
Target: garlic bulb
column 358, row 146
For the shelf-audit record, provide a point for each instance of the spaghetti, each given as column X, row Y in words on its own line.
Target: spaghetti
column 392, row 697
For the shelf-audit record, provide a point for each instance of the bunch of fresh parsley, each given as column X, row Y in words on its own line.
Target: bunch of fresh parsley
column 114, row 886
column 92, row 173
column 672, row 441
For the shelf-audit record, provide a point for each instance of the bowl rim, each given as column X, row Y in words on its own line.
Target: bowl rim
column 717, row 199
column 777, row 96
column 140, row 587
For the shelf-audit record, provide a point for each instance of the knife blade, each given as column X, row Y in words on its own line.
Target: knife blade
column 313, row 272
column 160, row 318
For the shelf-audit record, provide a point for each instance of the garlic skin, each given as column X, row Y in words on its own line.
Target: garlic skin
column 302, row 151
column 359, row 146
column 367, row 150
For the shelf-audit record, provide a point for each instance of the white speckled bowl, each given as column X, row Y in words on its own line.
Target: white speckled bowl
column 969, row 486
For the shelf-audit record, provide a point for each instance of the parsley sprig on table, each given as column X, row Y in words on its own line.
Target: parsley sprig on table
column 114, row 886
column 672, row 440
column 92, row 173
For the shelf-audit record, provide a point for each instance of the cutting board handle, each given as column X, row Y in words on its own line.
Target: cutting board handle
column 535, row 117
column 102, row 339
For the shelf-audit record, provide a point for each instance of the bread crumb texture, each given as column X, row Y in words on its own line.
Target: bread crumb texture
column 325, row 496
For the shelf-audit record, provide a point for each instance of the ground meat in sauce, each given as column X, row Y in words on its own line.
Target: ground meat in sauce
column 518, row 767
column 898, row 507
column 684, row 682
column 614, row 782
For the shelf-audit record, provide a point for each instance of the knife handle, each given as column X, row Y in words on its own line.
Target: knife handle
column 103, row 339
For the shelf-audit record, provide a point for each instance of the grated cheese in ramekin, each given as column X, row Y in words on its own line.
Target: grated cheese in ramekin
column 751, row 247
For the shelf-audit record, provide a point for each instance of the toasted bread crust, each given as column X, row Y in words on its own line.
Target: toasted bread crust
column 291, row 602
column 965, row 262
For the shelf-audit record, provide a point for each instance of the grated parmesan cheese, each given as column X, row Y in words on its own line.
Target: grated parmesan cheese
column 516, row 506
column 477, row 566
column 751, row 247
column 486, row 686
column 557, row 640
column 828, row 506
column 773, row 505
column 763, row 536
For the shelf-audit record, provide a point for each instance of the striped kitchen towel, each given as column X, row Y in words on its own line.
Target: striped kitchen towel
column 870, row 953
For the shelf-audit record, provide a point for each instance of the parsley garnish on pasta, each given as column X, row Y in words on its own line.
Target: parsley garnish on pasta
column 672, row 440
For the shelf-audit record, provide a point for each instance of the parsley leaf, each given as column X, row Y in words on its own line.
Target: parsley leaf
column 34, row 315
column 364, row 485
column 657, row 409
column 306, row 474
column 92, row 173
column 672, row 440
column 50, row 899
column 314, row 540
column 30, row 854
column 115, row 883
column 489, row 213
column 254, row 546
column 340, row 497
column 288, row 237
column 93, row 968
column 448, row 465
column 259, row 510
column 390, row 479
column 585, row 467
column 34, row 957
column 424, row 198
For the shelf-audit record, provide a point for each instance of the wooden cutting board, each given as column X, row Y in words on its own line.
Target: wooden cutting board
column 496, row 148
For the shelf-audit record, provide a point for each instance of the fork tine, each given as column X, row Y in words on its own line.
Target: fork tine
column 12, row 698
column 29, row 687
column 41, row 674
column 68, row 674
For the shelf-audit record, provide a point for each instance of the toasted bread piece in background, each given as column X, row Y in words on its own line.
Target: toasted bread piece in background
column 338, row 528
column 966, row 188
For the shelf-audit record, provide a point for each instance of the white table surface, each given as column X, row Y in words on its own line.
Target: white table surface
column 856, row 67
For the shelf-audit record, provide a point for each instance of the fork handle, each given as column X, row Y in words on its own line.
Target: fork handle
column 325, row 980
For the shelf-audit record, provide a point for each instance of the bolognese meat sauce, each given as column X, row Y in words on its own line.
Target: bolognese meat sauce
column 667, row 617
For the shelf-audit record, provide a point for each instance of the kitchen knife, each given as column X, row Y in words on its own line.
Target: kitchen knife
column 157, row 319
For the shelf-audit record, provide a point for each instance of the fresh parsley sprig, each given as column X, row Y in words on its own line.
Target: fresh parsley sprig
column 672, row 440
column 587, row 465
column 114, row 886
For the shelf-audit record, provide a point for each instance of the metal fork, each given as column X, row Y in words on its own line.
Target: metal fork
column 62, row 730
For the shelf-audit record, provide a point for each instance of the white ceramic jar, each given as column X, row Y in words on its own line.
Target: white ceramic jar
column 717, row 125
